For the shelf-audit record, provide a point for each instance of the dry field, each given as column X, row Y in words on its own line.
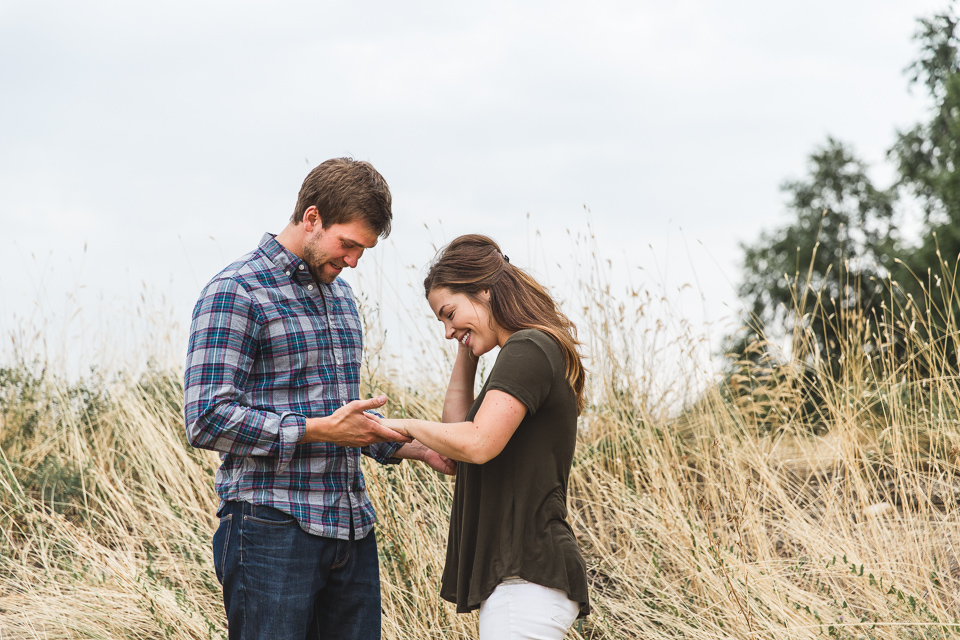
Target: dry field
column 734, row 515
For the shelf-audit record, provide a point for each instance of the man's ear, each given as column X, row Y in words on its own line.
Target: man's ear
column 311, row 219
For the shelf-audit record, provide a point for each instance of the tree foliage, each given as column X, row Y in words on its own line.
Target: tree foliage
column 928, row 155
column 842, row 252
column 832, row 257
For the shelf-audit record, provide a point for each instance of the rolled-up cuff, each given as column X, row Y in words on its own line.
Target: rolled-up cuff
column 383, row 452
column 292, row 428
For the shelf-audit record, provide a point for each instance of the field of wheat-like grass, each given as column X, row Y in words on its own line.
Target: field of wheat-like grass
column 731, row 513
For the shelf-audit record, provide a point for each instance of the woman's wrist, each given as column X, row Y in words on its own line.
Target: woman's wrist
column 397, row 424
column 466, row 354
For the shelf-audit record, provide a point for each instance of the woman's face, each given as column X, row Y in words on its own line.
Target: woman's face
column 467, row 321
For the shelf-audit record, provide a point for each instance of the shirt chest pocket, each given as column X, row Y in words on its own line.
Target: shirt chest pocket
column 348, row 341
column 295, row 340
column 310, row 337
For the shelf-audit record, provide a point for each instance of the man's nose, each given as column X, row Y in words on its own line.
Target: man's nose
column 352, row 258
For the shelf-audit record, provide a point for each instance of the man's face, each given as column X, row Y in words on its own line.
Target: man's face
column 328, row 251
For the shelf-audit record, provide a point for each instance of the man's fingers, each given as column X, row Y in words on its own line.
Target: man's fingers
column 371, row 403
column 440, row 463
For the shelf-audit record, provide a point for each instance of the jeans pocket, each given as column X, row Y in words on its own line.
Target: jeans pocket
column 564, row 614
column 221, row 541
column 270, row 516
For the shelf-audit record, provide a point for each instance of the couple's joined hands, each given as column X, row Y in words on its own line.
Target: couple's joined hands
column 416, row 450
column 352, row 426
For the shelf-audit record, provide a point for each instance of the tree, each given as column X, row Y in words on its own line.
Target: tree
column 832, row 258
column 928, row 160
column 843, row 254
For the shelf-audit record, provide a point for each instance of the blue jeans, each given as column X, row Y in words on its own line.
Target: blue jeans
column 282, row 583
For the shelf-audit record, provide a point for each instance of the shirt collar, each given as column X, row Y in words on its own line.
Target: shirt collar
column 283, row 257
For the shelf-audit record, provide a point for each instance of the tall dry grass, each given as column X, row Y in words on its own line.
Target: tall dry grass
column 725, row 515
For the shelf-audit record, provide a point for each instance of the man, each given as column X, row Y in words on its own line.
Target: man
column 272, row 383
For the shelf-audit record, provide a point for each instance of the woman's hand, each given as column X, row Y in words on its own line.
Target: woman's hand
column 394, row 425
column 459, row 397
column 466, row 352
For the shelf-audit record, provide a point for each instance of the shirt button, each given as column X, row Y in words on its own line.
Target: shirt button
column 300, row 267
column 309, row 287
column 288, row 271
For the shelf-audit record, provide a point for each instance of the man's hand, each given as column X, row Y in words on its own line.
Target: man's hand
column 437, row 462
column 349, row 426
column 416, row 450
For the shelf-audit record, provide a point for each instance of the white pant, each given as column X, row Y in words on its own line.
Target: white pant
column 526, row 611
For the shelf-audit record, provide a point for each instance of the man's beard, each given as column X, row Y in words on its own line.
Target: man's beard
column 315, row 260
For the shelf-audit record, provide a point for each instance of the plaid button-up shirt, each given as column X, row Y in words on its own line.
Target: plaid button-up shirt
column 268, row 348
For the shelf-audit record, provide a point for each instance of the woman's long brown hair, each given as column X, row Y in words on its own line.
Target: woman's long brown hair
column 473, row 263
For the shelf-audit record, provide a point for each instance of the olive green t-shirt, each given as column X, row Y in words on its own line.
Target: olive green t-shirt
column 509, row 515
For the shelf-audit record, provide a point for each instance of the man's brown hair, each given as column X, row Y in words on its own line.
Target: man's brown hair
column 344, row 190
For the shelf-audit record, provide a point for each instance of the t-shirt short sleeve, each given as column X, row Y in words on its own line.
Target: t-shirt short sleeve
column 523, row 370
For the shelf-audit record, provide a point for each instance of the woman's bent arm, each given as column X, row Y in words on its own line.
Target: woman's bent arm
column 477, row 441
column 459, row 396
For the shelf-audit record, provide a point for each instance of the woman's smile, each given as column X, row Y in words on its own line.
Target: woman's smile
column 466, row 320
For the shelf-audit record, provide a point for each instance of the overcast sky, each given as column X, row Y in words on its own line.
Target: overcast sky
column 146, row 145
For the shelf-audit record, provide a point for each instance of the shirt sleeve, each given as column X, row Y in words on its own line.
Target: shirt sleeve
column 523, row 370
column 220, row 355
column 382, row 452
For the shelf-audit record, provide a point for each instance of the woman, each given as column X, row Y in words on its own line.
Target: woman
column 510, row 551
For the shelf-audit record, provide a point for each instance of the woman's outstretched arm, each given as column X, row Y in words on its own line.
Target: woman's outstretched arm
column 459, row 396
column 477, row 441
